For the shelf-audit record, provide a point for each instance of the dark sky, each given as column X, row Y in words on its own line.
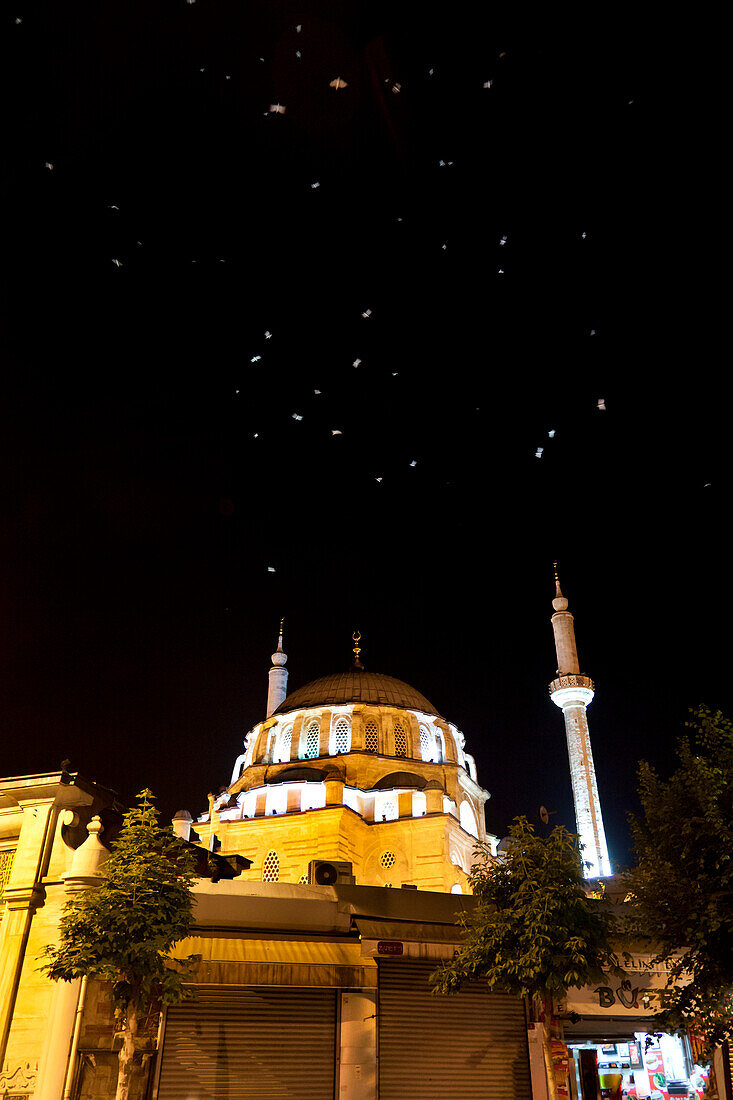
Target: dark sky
column 152, row 472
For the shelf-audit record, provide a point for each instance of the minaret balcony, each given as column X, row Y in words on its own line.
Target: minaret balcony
column 572, row 680
column 572, row 689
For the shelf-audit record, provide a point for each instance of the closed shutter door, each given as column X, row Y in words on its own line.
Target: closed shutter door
column 469, row 1045
column 250, row 1044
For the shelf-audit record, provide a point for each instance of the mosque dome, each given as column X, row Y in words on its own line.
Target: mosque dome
column 356, row 686
column 356, row 767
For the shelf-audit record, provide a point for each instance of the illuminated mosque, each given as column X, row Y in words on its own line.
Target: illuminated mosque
column 355, row 777
column 356, row 770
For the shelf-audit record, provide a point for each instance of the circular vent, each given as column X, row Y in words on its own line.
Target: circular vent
column 326, row 874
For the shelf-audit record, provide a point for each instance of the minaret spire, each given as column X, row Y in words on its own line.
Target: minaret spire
column 277, row 687
column 572, row 692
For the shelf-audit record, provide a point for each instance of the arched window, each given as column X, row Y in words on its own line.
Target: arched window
column 271, row 867
column 400, row 741
column 439, row 747
column 341, row 736
column 456, row 888
column 312, row 741
column 427, row 744
column 282, row 751
column 371, row 736
column 468, row 819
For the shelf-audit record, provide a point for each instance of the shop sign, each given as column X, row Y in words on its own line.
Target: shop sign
column 638, row 993
column 390, row 947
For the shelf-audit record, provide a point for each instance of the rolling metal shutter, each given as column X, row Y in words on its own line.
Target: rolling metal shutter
column 250, row 1044
column 469, row 1045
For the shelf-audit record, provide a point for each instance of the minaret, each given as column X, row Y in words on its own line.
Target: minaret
column 277, row 688
column 572, row 692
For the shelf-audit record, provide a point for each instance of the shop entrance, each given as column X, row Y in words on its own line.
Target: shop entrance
column 638, row 1066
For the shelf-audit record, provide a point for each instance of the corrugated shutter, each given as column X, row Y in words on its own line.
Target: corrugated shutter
column 250, row 1044
column 469, row 1045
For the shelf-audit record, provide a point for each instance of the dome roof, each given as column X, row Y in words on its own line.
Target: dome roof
column 356, row 687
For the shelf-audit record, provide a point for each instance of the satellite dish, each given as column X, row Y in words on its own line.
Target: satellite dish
column 544, row 815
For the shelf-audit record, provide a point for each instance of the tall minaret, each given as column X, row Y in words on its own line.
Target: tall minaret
column 572, row 692
column 277, row 688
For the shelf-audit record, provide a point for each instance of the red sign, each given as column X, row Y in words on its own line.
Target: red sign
column 390, row 947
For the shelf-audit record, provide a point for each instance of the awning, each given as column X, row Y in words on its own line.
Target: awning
column 244, row 961
column 242, row 949
column 597, row 1028
column 409, row 931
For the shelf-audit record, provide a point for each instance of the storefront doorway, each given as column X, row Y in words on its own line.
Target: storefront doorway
column 639, row 1066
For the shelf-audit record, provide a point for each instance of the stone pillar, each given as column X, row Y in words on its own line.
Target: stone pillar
column 325, row 742
column 357, row 730
column 334, row 790
column 434, row 798
column 22, row 896
column 21, row 903
column 405, row 803
column 83, row 875
column 294, row 796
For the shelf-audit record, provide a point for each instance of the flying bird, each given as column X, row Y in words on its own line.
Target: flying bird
column 338, row 83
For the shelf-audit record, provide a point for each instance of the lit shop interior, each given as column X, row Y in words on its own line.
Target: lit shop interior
column 657, row 1067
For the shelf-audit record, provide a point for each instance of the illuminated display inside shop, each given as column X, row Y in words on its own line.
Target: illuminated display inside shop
column 647, row 1067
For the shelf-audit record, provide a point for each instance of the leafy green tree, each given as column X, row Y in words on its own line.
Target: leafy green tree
column 533, row 931
column 682, row 885
column 122, row 931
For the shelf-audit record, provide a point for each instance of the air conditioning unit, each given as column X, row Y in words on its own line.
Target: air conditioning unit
column 325, row 872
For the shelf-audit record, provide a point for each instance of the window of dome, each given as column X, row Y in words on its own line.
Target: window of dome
column 456, row 888
column 313, row 796
column 312, row 741
column 440, row 756
column 388, row 859
column 419, row 804
column 371, row 737
column 277, row 801
column 341, row 736
column 468, row 819
column 400, row 741
column 271, row 867
column 386, row 808
column 282, row 749
column 427, row 747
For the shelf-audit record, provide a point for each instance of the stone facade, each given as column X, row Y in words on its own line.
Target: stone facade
column 43, row 821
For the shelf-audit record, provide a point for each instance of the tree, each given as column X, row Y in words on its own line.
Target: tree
column 682, row 885
column 122, row 931
column 533, row 931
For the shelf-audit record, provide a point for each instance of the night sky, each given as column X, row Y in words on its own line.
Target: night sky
column 506, row 220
